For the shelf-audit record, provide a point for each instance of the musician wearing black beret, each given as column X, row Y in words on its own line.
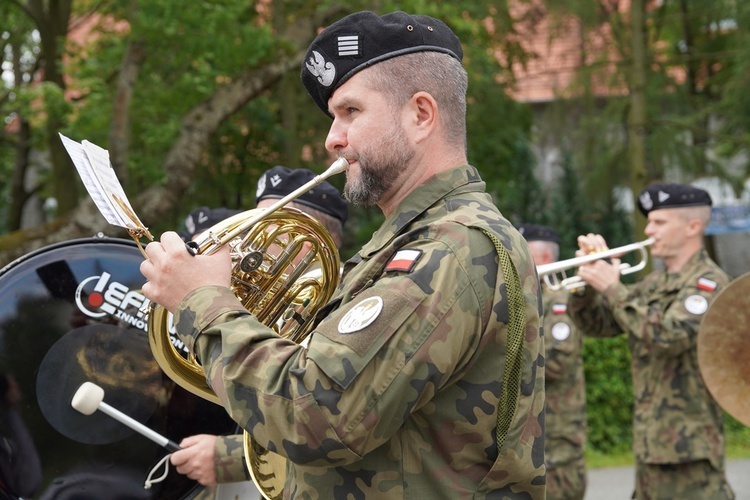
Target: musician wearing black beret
column 564, row 380
column 659, row 196
column 678, row 436
column 537, row 232
column 323, row 202
column 201, row 218
column 211, row 459
column 421, row 378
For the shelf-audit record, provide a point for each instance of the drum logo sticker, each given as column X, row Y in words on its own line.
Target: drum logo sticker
column 361, row 316
column 98, row 296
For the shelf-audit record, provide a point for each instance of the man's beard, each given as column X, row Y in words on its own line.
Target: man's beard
column 379, row 168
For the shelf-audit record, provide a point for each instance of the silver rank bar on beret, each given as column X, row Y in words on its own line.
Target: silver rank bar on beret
column 348, row 45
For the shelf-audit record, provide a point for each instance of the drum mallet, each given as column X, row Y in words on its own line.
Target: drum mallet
column 90, row 397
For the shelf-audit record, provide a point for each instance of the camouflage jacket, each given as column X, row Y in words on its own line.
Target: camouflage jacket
column 675, row 419
column 397, row 394
column 565, row 386
column 229, row 459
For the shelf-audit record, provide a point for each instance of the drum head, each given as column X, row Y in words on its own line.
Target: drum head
column 724, row 349
column 71, row 313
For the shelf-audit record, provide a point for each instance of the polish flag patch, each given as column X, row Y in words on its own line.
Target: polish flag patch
column 559, row 308
column 403, row 261
column 706, row 284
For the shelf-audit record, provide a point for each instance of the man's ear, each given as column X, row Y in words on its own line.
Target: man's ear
column 423, row 115
column 695, row 226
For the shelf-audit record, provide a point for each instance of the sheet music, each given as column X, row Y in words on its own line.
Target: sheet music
column 98, row 176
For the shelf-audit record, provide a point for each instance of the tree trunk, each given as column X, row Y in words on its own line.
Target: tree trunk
column 19, row 195
column 119, row 128
column 637, row 116
column 52, row 19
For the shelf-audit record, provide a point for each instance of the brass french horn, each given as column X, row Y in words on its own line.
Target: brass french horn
column 273, row 252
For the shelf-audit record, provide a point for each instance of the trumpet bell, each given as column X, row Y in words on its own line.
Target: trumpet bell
column 724, row 348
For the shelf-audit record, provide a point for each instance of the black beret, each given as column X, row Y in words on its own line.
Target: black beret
column 536, row 232
column 363, row 39
column 279, row 181
column 202, row 218
column 658, row 196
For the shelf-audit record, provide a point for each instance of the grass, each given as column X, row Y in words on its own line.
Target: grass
column 737, row 441
column 598, row 460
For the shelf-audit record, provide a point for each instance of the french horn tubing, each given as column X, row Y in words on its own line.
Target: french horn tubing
column 273, row 251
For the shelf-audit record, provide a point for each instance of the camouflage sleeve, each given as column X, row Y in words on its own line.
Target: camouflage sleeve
column 369, row 364
column 665, row 327
column 229, row 453
column 591, row 314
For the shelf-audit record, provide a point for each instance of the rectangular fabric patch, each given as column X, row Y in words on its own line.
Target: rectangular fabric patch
column 403, row 261
column 348, row 45
column 706, row 284
column 559, row 308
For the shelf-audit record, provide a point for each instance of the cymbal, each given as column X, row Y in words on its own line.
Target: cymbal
column 724, row 348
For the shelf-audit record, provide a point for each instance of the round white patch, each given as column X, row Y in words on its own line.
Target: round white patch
column 696, row 304
column 361, row 316
column 561, row 331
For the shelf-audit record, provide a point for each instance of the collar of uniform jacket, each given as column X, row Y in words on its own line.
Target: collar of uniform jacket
column 463, row 178
column 676, row 281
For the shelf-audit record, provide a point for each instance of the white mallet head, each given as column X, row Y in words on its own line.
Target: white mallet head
column 87, row 398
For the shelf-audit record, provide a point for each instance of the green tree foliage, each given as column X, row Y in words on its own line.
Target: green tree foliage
column 734, row 133
column 695, row 52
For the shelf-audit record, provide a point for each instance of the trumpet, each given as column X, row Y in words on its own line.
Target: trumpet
column 554, row 273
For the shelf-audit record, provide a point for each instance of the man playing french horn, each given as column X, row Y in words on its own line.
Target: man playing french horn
column 678, row 438
column 423, row 377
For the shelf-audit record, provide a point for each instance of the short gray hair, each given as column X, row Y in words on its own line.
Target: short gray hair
column 440, row 75
column 702, row 213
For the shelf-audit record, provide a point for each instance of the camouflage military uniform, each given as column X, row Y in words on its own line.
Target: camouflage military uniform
column 565, row 394
column 676, row 421
column 229, row 464
column 397, row 395
column 229, row 452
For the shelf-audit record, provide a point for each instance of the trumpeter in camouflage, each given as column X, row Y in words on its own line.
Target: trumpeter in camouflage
column 565, row 383
column 678, row 438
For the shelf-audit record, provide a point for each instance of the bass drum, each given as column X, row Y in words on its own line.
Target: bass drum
column 71, row 313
